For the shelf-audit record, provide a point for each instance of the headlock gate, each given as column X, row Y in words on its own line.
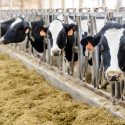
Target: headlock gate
column 87, row 21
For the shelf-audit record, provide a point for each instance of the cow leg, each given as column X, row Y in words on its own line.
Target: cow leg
column 101, row 75
column 68, row 67
column 73, row 67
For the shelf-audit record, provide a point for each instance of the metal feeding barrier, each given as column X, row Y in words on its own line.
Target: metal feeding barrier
column 92, row 22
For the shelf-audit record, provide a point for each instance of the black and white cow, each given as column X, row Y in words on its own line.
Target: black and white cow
column 111, row 42
column 61, row 37
column 5, row 25
column 58, row 34
column 16, row 32
column 36, row 37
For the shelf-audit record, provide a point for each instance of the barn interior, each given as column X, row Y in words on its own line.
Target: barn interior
column 33, row 91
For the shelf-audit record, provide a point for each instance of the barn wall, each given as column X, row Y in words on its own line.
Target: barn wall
column 45, row 4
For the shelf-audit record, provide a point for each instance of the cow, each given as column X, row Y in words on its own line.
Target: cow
column 111, row 42
column 5, row 25
column 61, row 36
column 37, row 34
column 16, row 32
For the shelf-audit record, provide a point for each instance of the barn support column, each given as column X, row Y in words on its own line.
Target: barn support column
column 63, row 4
column 11, row 4
column 80, row 3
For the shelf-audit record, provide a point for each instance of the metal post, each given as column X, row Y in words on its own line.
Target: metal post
column 80, row 48
column 117, row 90
column 95, row 57
column 119, row 20
column 49, row 48
column 113, row 91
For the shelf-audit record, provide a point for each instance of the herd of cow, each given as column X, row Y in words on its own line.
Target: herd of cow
column 62, row 37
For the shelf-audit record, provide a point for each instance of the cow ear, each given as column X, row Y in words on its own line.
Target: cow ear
column 43, row 31
column 70, row 28
column 84, row 34
column 86, row 40
column 26, row 27
column 27, row 30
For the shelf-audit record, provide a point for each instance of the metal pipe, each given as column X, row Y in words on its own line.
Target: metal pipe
column 80, row 48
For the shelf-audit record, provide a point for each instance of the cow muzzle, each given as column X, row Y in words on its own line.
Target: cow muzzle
column 114, row 75
column 55, row 52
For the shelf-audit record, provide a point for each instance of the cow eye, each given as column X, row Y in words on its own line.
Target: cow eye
column 101, row 47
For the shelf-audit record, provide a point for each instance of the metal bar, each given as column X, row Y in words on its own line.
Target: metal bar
column 80, row 48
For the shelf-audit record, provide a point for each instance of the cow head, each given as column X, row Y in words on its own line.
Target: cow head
column 58, row 34
column 38, row 32
column 111, row 42
column 16, row 32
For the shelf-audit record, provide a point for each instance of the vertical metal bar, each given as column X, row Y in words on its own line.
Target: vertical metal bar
column 80, row 50
column 0, row 30
column 117, row 90
column 49, row 48
column 122, row 89
column 113, row 89
column 63, row 4
column 44, row 49
column 119, row 20
column 100, row 72
column 95, row 54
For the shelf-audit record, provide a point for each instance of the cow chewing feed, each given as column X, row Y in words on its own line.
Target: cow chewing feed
column 111, row 42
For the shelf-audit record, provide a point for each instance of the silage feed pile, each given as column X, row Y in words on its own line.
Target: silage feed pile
column 27, row 99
